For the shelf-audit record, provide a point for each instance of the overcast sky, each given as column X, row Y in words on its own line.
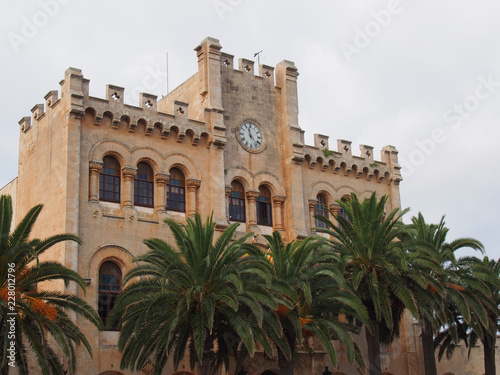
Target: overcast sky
column 423, row 76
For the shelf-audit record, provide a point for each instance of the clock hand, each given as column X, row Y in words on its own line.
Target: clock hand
column 250, row 134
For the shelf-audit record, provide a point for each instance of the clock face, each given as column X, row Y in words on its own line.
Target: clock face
column 250, row 135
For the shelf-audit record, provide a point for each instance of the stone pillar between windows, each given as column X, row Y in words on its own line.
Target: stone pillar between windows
column 228, row 195
column 335, row 210
column 252, row 207
column 312, row 207
column 191, row 202
column 95, row 168
column 161, row 191
column 128, row 185
column 278, row 201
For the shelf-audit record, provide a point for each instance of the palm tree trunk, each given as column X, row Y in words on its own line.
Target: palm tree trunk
column 489, row 356
column 428, row 347
column 373, row 343
column 285, row 364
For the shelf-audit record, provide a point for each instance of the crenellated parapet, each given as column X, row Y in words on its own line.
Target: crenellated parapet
column 342, row 160
column 144, row 119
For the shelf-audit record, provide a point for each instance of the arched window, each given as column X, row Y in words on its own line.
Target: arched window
column 109, row 180
column 176, row 191
column 143, row 185
column 237, row 202
column 342, row 212
column 321, row 209
column 264, row 207
column 110, row 284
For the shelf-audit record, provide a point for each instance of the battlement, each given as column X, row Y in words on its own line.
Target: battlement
column 112, row 112
column 343, row 161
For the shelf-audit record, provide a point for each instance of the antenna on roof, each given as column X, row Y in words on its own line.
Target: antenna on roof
column 258, row 57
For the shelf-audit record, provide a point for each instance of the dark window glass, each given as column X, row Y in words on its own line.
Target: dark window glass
column 110, row 284
column 237, row 202
column 321, row 209
column 176, row 191
column 264, row 207
column 109, row 180
column 342, row 212
column 143, row 186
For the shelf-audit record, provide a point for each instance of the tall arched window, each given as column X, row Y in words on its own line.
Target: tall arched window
column 109, row 180
column 321, row 209
column 342, row 212
column 264, row 207
column 176, row 191
column 143, row 185
column 237, row 202
column 110, row 284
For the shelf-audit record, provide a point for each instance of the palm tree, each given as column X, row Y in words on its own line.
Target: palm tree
column 311, row 279
column 475, row 272
column 204, row 297
column 30, row 316
column 445, row 282
column 376, row 265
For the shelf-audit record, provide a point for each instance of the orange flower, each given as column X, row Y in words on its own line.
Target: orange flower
column 282, row 310
column 304, row 321
column 43, row 308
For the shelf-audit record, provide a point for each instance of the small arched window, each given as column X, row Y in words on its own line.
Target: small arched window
column 237, row 202
column 143, row 185
column 176, row 191
column 321, row 209
column 109, row 180
column 342, row 212
column 110, row 284
column 264, row 207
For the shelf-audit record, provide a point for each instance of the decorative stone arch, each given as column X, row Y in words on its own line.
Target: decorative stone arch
column 365, row 194
column 149, row 155
column 185, row 164
column 322, row 187
column 114, row 148
column 345, row 190
column 271, row 181
column 240, row 174
column 115, row 253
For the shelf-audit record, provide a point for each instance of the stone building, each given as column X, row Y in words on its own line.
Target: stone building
column 227, row 141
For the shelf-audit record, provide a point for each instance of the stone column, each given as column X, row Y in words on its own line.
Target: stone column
column 335, row 209
column 128, row 185
column 95, row 168
column 252, row 207
column 312, row 206
column 191, row 202
column 161, row 191
column 278, row 201
column 228, row 194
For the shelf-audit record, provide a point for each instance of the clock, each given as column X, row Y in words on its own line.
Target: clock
column 250, row 136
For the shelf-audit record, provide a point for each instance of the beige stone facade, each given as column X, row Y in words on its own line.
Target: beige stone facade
column 197, row 130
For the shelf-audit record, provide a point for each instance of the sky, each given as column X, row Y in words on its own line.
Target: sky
column 423, row 76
